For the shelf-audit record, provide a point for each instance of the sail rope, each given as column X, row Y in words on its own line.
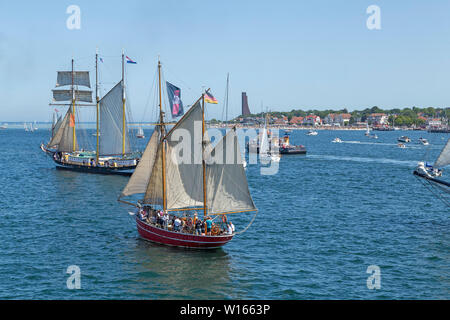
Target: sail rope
column 431, row 187
column 248, row 226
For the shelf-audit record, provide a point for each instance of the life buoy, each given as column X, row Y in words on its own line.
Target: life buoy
column 215, row 230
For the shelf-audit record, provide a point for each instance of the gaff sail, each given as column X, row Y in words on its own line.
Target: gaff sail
column 62, row 139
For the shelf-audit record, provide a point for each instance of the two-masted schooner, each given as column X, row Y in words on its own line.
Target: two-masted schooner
column 113, row 152
column 186, row 203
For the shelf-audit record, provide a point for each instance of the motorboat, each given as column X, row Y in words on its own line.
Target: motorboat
column 312, row 133
column 424, row 141
column 337, row 140
column 404, row 139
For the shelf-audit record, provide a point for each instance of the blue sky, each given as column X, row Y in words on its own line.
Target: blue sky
column 286, row 54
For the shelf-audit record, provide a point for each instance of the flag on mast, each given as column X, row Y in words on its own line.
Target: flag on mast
column 130, row 61
column 209, row 98
column 176, row 105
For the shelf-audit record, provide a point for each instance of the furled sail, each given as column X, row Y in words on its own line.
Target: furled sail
column 183, row 165
column 66, row 95
column 227, row 187
column 444, row 158
column 80, row 78
column 111, row 123
column 62, row 139
column 141, row 176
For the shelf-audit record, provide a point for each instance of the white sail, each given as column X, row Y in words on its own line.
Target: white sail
column 444, row 158
column 227, row 188
column 264, row 145
column 111, row 124
column 184, row 181
column 141, row 175
column 80, row 78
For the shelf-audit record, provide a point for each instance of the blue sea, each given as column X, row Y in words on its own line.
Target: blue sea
column 323, row 219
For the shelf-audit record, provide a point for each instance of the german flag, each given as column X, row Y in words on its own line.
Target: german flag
column 210, row 99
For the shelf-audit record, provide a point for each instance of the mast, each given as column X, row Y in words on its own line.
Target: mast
column 226, row 105
column 205, row 212
column 163, row 141
column 97, row 101
column 74, row 137
column 123, row 107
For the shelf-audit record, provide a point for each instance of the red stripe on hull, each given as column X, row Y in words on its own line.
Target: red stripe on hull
column 151, row 233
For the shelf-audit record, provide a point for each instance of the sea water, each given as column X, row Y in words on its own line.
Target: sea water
column 323, row 219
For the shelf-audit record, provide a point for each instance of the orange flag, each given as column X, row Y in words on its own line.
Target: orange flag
column 72, row 120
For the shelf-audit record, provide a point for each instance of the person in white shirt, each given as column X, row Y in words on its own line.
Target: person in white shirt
column 177, row 224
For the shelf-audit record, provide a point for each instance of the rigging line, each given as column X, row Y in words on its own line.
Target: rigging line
column 248, row 226
column 430, row 187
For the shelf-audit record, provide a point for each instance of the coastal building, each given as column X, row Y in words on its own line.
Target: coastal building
column 296, row 121
column 343, row 118
column 435, row 122
column 378, row 118
column 245, row 108
column 312, row 120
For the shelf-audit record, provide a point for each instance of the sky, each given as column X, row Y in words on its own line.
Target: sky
column 285, row 54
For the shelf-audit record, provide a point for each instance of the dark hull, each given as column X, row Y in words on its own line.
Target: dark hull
column 293, row 151
column 440, row 182
column 122, row 171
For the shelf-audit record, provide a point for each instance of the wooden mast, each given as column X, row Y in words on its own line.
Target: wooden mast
column 123, row 105
column 205, row 212
column 74, row 137
column 163, row 139
column 98, row 106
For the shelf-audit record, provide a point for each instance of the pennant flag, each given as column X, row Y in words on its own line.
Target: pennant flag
column 176, row 105
column 209, row 98
column 56, row 110
column 130, row 61
column 101, row 59
column 72, row 120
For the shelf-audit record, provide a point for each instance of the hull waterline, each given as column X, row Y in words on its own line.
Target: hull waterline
column 177, row 239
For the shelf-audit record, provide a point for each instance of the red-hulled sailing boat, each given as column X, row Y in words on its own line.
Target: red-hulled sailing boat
column 178, row 185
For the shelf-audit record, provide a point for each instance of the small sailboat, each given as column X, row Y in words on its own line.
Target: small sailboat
column 367, row 130
column 25, row 127
column 209, row 181
column 140, row 134
column 337, row 140
column 265, row 152
column 431, row 175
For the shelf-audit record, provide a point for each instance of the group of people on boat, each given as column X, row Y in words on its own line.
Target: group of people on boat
column 63, row 158
column 185, row 224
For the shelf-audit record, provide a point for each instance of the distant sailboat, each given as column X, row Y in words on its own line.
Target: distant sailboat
column 140, row 134
column 431, row 174
column 171, row 189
